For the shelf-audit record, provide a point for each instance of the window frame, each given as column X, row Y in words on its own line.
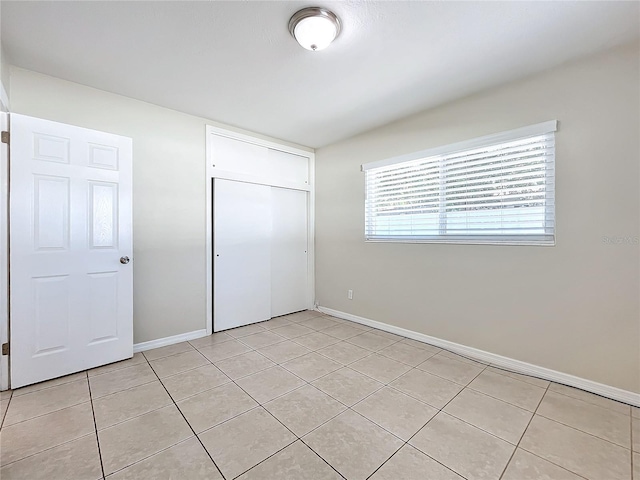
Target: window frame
column 549, row 127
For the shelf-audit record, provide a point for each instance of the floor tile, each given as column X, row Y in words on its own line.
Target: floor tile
column 347, row 385
column 49, row 383
column 3, row 409
column 221, row 351
column 402, row 352
column 428, row 388
column 576, row 451
column 24, row 407
column 244, row 331
column 319, row 323
column 590, row 398
column 316, row 340
column 133, row 440
column 167, row 351
column 538, row 382
column 421, row 345
column 380, row 368
column 262, row 339
column 293, row 330
column 181, row 362
column 243, row 365
column 245, row 441
column 5, row 394
column 77, row 460
column 395, row 412
column 462, row 358
column 389, row 335
column 135, row 360
column 276, row 323
column 463, row 448
column 304, row 409
column 303, row 315
column 194, row 381
column 489, row 414
column 601, row 422
column 526, row 466
column 122, row 379
column 360, row 326
column 371, row 341
column 38, row 434
column 130, row 403
column 510, row 390
column 635, row 422
column 213, row 339
column 212, row 407
column 353, row 445
column 296, row 462
column 186, row 460
column 411, row 464
column 344, row 353
column 284, row 351
column 343, row 331
column 269, row 384
column 454, row 370
column 311, row 366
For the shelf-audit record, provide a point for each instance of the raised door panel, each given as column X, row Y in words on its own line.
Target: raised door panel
column 51, row 315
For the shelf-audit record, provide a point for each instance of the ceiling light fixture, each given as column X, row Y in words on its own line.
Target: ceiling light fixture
column 314, row 28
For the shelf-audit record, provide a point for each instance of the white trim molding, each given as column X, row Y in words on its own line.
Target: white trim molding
column 163, row 342
column 495, row 360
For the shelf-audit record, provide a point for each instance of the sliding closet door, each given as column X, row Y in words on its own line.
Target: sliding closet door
column 289, row 289
column 241, row 253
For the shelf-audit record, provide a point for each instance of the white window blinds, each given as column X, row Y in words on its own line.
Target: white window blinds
column 494, row 189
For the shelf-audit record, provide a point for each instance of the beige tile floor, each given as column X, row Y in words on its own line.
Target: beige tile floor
column 308, row 396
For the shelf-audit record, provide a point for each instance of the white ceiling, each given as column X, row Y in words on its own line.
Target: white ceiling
column 235, row 62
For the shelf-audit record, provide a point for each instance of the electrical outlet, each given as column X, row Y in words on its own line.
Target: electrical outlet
column 350, row 294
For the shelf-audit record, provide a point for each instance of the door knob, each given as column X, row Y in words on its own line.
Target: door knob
column 124, row 260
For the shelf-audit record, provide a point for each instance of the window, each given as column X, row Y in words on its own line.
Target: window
column 494, row 189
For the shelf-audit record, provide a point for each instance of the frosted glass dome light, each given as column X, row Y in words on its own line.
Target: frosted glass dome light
column 314, row 28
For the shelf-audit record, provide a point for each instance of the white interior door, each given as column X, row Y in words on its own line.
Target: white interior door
column 289, row 289
column 70, row 240
column 241, row 253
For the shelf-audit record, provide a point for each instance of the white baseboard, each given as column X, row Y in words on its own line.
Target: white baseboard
column 163, row 342
column 498, row 360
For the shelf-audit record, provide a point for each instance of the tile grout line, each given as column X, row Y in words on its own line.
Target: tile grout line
column 523, row 434
column 260, row 405
column 5, row 412
column 441, row 410
column 95, row 425
column 43, row 414
column 185, row 419
column 347, row 407
column 631, row 441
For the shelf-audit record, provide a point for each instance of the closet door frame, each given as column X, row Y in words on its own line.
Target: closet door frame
column 213, row 172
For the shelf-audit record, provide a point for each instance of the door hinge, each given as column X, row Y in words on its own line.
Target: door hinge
column 5, row 137
column 5, row 348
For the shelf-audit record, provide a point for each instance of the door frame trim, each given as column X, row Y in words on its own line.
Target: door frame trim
column 211, row 172
column 4, row 247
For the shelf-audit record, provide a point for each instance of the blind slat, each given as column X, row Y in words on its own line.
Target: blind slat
column 501, row 191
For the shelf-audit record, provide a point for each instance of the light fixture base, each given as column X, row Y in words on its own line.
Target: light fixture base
column 313, row 12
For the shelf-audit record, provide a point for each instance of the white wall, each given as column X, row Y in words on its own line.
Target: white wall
column 168, row 193
column 573, row 307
